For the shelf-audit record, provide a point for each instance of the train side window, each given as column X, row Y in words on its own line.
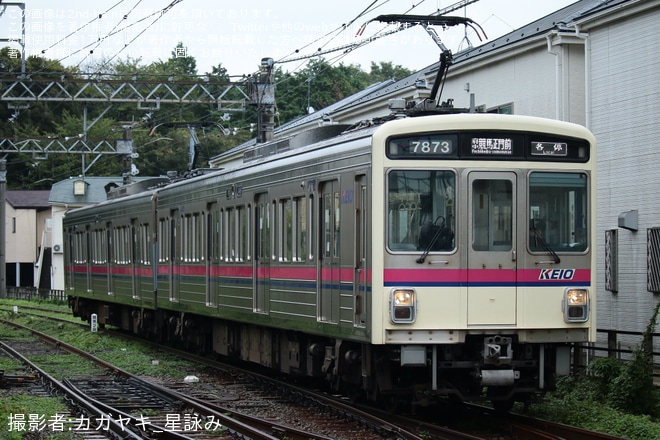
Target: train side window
column 192, row 249
column 97, row 246
column 80, row 247
column 122, row 243
column 421, row 210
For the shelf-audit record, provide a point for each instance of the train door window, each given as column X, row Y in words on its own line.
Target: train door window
column 558, row 206
column 164, row 242
column 231, row 234
column 199, row 237
column 94, row 246
column 331, row 224
column 133, row 230
column 186, row 243
column 246, row 222
column 213, row 234
column 273, row 236
column 175, row 252
column 241, row 234
column 492, row 215
column 286, row 230
column 311, row 227
column 299, row 233
column 421, row 210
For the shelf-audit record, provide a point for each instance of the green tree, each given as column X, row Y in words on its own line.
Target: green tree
column 384, row 71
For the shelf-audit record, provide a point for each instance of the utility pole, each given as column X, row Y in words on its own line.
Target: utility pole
column 3, row 226
column 21, row 40
column 263, row 98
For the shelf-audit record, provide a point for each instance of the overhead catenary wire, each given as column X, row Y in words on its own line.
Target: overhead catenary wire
column 110, row 33
column 80, row 28
column 159, row 13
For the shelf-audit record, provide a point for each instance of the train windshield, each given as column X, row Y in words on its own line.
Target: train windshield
column 420, row 210
column 558, row 207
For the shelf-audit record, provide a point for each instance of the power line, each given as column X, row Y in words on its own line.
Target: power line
column 98, row 17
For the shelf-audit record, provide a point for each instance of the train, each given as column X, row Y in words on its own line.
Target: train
column 402, row 261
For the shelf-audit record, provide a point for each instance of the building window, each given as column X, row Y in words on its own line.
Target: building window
column 13, row 225
column 505, row 109
column 612, row 260
column 653, row 260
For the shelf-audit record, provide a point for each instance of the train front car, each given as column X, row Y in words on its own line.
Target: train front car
column 485, row 279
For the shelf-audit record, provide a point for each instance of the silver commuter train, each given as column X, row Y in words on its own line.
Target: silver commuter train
column 428, row 256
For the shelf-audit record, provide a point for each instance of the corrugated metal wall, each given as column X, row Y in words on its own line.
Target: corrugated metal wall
column 625, row 107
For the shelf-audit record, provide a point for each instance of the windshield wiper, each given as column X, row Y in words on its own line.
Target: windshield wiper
column 439, row 225
column 545, row 244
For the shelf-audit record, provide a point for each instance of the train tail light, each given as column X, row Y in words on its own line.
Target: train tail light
column 403, row 305
column 576, row 305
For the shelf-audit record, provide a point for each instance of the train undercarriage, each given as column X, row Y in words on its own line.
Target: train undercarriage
column 493, row 368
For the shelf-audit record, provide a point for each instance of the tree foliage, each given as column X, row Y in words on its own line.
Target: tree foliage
column 159, row 146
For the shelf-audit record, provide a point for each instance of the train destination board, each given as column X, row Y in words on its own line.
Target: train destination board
column 492, row 146
column 549, row 149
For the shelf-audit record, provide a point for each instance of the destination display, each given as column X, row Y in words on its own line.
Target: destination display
column 492, row 146
column 487, row 145
column 549, row 149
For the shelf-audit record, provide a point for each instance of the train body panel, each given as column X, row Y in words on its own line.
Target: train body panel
column 448, row 253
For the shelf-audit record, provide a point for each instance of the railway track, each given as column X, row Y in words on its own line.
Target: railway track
column 347, row 420
column 116, row 394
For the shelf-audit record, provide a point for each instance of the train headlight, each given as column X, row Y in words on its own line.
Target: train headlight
column 403, row 305
column 576, row 305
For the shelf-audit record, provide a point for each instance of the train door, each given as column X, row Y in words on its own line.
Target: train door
column 212, row 253
column 361, row 266
column 109, row 258
column 492, row 241
column 174, row 251
column 262, row 253
column 88, row 261
column 330, row 282
column 135, row 284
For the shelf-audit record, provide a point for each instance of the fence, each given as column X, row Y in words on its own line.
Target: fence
column 32, row 293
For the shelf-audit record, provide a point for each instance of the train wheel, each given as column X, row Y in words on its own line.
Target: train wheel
column 501, row 398
column 354, row 393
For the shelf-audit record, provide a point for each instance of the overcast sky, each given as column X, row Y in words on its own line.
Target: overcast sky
column 239, row 34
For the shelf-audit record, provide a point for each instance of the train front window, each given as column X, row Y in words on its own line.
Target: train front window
column 558, row 212
column 420, row 210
